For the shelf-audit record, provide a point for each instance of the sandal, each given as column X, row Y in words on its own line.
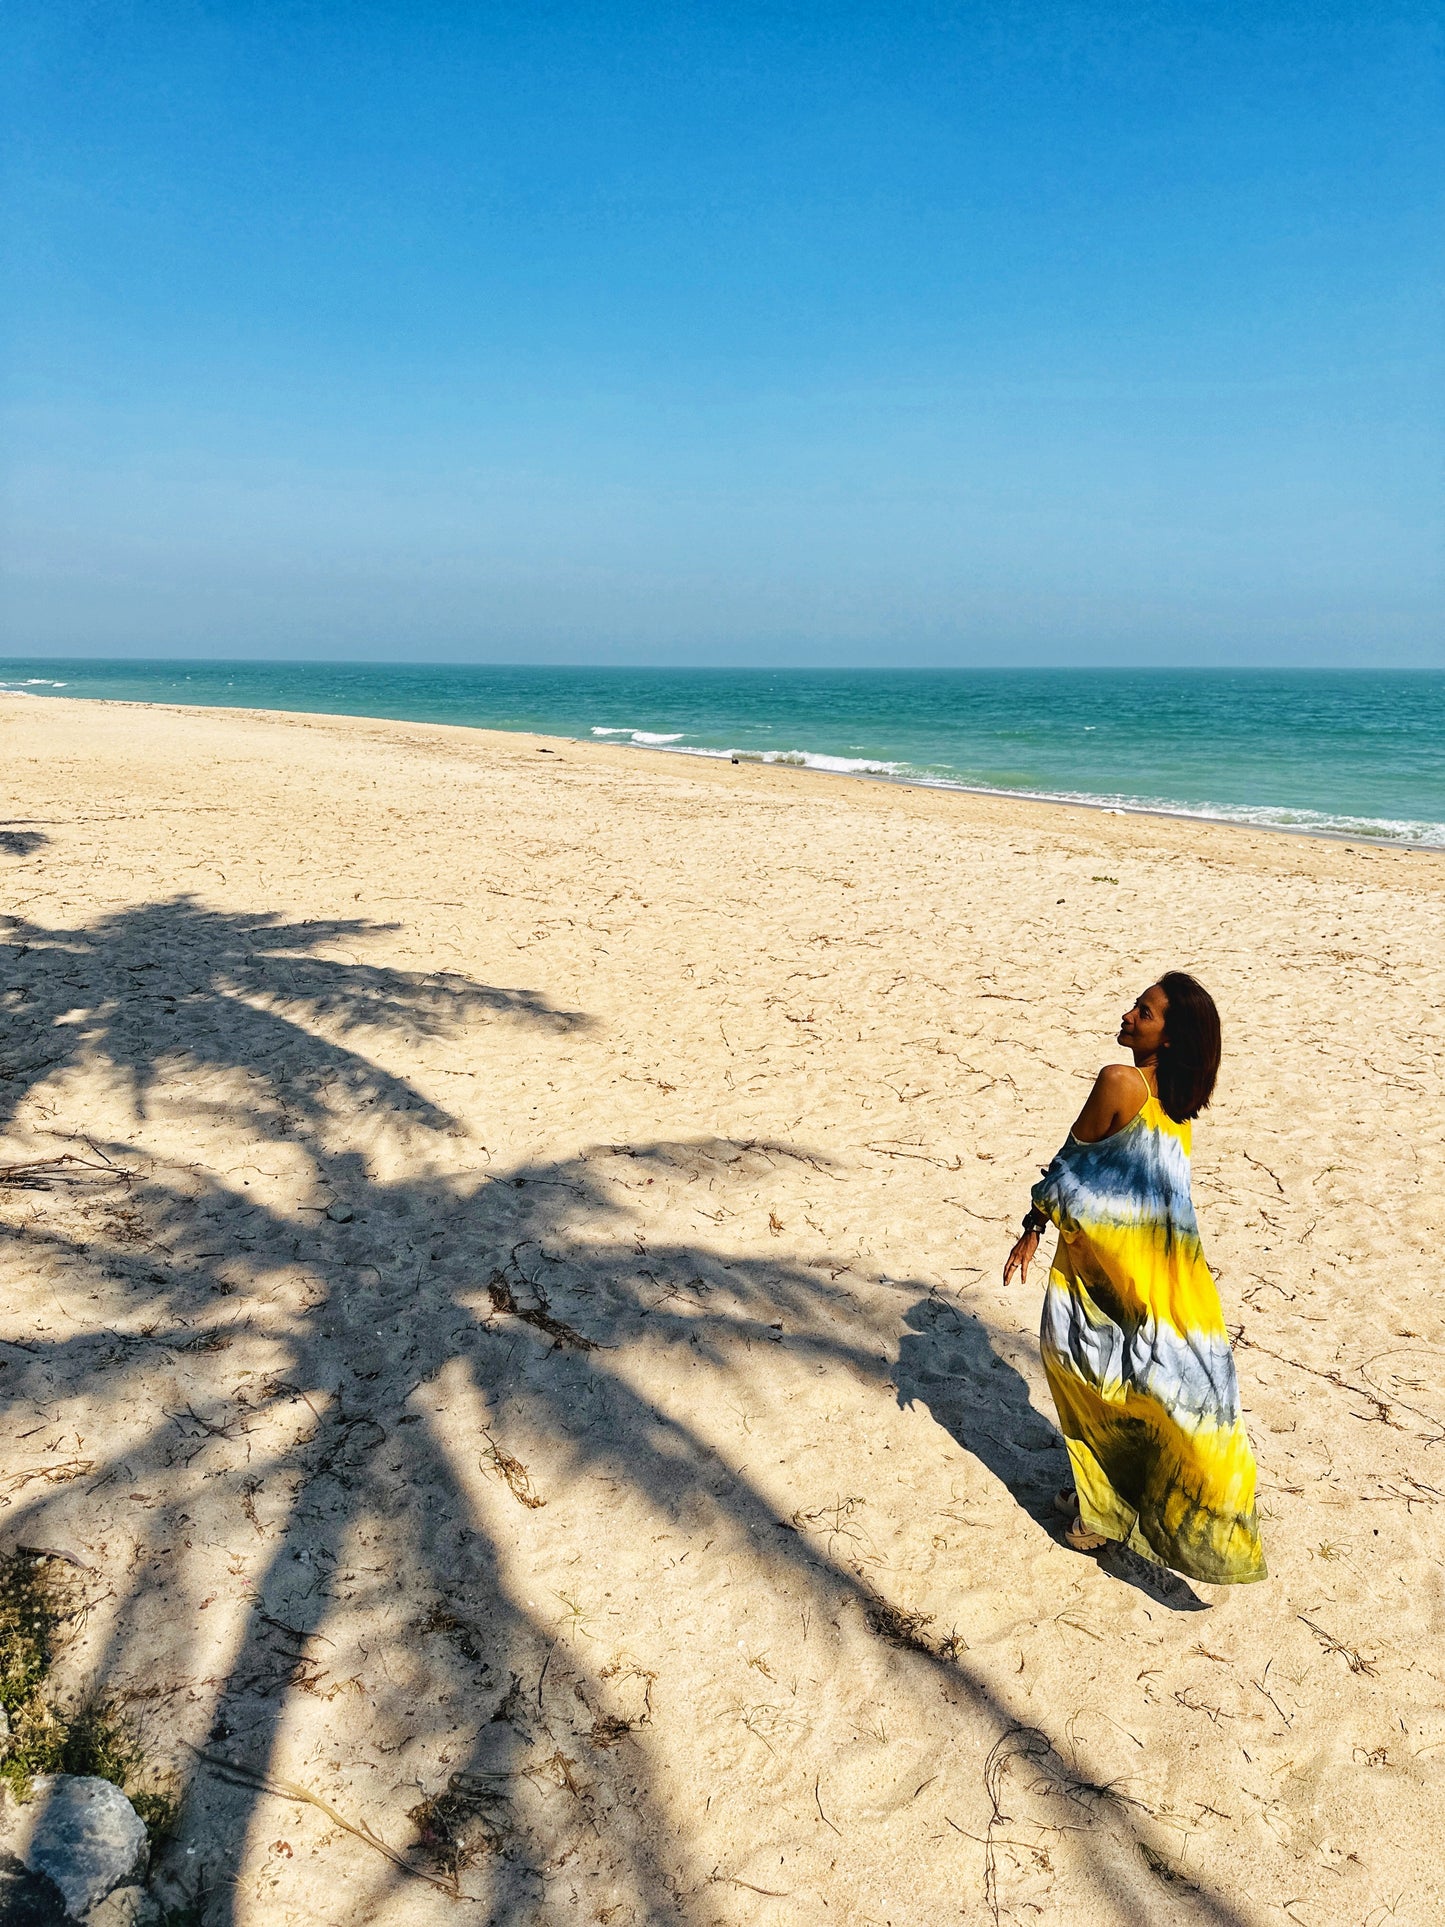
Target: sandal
column 1066, row 1501
column 1081, row 1539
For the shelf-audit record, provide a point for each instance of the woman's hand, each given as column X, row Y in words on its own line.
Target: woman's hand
column 1021, row 1257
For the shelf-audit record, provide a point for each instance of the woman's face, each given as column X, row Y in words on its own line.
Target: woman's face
column 1142, row 1030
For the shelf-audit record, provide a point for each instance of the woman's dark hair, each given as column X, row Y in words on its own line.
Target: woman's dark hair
column 1186, row 1070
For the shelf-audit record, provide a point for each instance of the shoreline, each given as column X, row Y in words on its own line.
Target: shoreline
column 946, row 787
column 931, row 785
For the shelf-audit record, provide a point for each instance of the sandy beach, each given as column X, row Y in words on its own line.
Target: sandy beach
column 535, row 1402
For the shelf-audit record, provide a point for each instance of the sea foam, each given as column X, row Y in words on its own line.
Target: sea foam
column 649, row 739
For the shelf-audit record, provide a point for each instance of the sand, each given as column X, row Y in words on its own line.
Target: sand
column 546, row 1389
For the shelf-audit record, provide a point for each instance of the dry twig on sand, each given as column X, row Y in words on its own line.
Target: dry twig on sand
column 43, row 1174
column 504, row 1299
column 900, row 1628
column 52, row 1474
column 238, row 1775
column 1087, row 1796
column 1382, row 1406
column 518, row 1479
column 919, row 1157
column 1356, row 1662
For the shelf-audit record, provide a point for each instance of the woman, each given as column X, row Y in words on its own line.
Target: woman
column 1133, row 1335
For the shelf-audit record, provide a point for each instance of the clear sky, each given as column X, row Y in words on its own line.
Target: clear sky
column 724, row 333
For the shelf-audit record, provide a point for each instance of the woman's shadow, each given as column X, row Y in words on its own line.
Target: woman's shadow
column 947, row 1363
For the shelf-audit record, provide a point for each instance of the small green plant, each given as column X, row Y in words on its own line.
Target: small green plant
column 30, row 1611
column 1106, row 879
column 32, row 1605
column 95, row 1739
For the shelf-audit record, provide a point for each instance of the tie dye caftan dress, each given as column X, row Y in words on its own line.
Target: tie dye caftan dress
column 1138, row 1359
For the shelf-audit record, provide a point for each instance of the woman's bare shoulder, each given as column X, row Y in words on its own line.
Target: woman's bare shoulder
column 1113, row 1102
column 1116, row 1077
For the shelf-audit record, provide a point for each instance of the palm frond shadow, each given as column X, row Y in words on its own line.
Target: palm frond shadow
column 345, row 1392
column 18, row 842
column 173, row 985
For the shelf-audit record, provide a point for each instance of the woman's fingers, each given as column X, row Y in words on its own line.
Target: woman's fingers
column 1021, row 1257
column 1018, row 1259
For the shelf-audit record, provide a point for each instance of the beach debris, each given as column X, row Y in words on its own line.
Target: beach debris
column 1356, row 1662
column 1260, row 1165
column 834, row 1520
column 462, row 1634
column 43, row 1174
column 83, row 1835
column 56, row 1552
column 1383, row 1410
column 60, row 1474
column 556, row 1770
column 898, row 1627
column 507, row 1707
column 1047, row 1775
column 504, row 1299
column 464, row 1823
column 919, row 1157
column 818, row 1802
column 235, row 1773
column 1165, row 1870
column 636, row 1684
column 516, row 1475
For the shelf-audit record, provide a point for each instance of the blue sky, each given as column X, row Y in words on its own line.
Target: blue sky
column 922, row 334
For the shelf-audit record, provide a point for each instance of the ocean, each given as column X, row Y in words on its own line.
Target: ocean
column 1356, row 753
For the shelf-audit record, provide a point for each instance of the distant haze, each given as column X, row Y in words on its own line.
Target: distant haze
column 727, row 334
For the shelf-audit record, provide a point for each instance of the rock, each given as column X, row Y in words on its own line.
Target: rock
column 27, row 1899
column 4, row 1741
column 82, row 1834
column 125, row 1907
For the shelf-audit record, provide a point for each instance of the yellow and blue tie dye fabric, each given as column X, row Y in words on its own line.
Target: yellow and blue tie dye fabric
column 1138, row 1358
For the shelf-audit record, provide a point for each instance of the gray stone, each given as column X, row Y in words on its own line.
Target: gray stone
column 126, row 1907
column 27, row 1899
column 81, row 1833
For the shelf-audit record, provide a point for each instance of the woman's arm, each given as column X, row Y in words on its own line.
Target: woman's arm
column 1116, row 1100
column 1025, row 1245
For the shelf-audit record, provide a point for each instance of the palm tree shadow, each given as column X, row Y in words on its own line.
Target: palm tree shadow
column 353, row 1373
column 171, row 986
column 949, row 1365
column 16, row 842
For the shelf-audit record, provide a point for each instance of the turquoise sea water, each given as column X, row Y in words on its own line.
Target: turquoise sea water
column 1360, row 753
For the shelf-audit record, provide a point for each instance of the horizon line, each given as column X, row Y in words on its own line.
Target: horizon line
column 750, row 668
